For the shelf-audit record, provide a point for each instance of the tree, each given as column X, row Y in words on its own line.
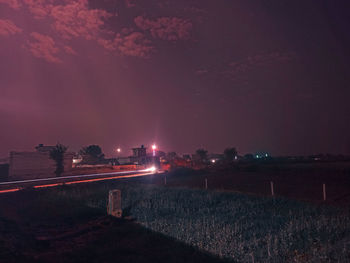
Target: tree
column 249, row 157
column 230, row 154
column 171, row 156
column 202, row 154
column 92, row 154
column 57, row 154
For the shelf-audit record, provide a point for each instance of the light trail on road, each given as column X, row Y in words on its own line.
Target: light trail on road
column 9, row 190
column 69, row 177
column 121, row 175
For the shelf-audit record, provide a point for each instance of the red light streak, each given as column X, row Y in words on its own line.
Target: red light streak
column 9, row 190
column 47, row 185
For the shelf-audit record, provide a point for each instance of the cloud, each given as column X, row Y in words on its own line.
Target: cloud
column 130, row 3
column 43, row 47
column 107, row 44
column 166, row 28
column 200, row 72
column 11, row 3
column 69, row 50
column 132, row 44
column 72, row 19
column 75, row 19
column 7, row 27
column 39, row 8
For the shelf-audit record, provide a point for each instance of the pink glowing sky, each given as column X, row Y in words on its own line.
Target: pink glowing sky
column 255, row 74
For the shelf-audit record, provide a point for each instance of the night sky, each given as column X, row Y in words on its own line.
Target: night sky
column 260, row 75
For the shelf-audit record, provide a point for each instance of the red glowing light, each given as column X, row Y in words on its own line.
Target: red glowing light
column 9, row 190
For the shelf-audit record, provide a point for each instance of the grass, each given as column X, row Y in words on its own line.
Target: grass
column 69, row 224
column 237, row 227
column 244, row 228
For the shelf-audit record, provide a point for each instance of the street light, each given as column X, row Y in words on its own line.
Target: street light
column 119, row 150
column 154, row 147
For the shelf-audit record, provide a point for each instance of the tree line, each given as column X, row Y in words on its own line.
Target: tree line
column 93, row 154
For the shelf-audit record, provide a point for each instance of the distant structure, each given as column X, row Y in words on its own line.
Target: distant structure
column 187, row 157
column 261, row 155
column 139, row 152
column 140, row 157
column 215, row 157
column 44, row 148
column 4, row 161
column 36, row 164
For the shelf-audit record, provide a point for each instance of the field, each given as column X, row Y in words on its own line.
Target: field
column 65, row 225
column 43, row 225
column 301, row 181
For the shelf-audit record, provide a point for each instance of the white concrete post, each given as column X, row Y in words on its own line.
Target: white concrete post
column 114, row 203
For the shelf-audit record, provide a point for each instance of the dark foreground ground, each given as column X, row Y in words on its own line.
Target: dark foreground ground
column 35, row 227
column 46, row 226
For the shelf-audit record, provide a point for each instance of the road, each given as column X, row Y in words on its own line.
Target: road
column 14, row 186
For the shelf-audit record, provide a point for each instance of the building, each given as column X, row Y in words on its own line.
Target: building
column 36, row 164
column 44, row 148
column 139, row 152
column 140, row 157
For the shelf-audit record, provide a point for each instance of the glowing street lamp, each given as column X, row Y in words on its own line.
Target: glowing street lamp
column 154, row 147
column 119, row 150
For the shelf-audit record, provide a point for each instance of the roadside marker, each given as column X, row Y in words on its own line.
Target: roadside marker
column 324, row 192
column 272, row 190
column 114, row 207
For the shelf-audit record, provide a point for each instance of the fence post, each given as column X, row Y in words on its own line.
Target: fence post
column 206, row 183
column 324, row 192
column 165, row 179
column 272, row 190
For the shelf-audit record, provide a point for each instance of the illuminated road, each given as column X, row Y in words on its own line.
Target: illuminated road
column 110, row 176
